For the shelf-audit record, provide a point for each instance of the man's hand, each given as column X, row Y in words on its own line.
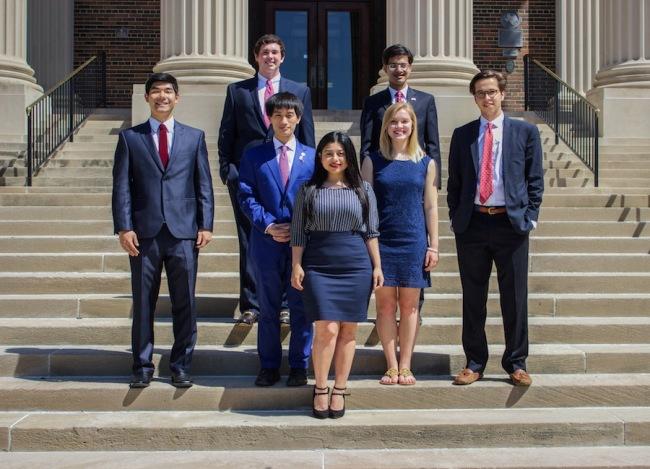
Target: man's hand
column 129, row 242
column 203, row 238
column 280, row 232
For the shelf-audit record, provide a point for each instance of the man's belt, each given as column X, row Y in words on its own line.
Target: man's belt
column 489, row 210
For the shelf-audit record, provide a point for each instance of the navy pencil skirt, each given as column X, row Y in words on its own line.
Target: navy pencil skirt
column 338, row 277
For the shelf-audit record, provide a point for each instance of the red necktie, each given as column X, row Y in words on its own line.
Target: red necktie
column 268, row 92
column 485, row 185
column 163, row 149
column 399, row 97
column 284, row 165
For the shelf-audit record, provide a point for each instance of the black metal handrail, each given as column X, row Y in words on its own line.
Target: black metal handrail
column 53, row 118
column 573, row 119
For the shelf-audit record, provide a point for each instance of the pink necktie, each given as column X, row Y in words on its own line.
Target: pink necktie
column 485, row 185
column 284, row 165
column 268, row 92
column 399, row 97
column 163, row 150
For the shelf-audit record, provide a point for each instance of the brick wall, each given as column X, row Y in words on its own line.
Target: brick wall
column 538, row 26
column 129, row 60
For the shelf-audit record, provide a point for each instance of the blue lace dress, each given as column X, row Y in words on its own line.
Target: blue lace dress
column 399, row 188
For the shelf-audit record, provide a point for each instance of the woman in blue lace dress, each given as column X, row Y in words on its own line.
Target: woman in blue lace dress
column 403, row 178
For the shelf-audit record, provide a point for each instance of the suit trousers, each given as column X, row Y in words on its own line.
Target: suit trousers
column 273, row 276
column 492, row 239
column 180, row 259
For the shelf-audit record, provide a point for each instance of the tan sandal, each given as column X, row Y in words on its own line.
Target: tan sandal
column 405, row 373
column 390, row 374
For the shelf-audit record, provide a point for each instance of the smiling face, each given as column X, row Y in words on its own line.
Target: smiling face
column 333, row 159
column 161, row 99
column 398, row 70
column 284, row 122
column 269, row 59
column 400, row 126
column 488, row 97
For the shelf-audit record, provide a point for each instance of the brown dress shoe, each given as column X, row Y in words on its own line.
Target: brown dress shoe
column 521, row 378
column 467, row 376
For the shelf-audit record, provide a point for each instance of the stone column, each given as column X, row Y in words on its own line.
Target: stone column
column 622, row 84
column 204, row 44
column 439, row 33
column 578, row 42
column 18, row 88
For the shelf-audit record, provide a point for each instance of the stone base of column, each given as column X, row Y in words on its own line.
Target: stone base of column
column 624, row 111
column 15, row 97
column 200, row 106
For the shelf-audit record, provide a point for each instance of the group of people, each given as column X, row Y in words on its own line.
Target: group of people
column 320, row 230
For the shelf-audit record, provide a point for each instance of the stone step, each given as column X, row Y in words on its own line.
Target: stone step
column 237, row 393
column 226, row 305
column 229, row 262
column 476, row 458
column 171, row 430
column 221, row 198
column 209, row 360
column 98, row 172
column 434, row 331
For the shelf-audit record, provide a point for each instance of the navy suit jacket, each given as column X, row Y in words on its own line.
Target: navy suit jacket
column 523, row 174
column 424, row 106
column 242, row 124
column 261, row 195
column 145, row 195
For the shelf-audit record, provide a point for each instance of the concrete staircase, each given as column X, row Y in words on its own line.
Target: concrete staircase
column 65, row 333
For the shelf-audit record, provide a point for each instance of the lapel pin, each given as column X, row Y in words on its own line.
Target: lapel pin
column 302, row 156
column 412, row 99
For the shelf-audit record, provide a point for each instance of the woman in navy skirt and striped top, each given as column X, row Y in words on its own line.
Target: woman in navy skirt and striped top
column 335, row 262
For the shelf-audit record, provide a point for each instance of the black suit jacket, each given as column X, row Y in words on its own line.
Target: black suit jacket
column 242, row 124
column 523, row 174
column 424, row 106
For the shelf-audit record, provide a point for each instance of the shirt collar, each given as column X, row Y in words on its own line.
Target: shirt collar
column 496, row 123
column 169, row 123
column 261, row 81
column 291, row 144
column 393, row 92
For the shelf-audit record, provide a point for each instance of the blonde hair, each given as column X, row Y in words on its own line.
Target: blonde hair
column 385, row 143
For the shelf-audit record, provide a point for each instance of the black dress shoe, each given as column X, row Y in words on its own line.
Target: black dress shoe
column 297, row 377
column 247, row 317
column 284, row 317
column 140, row 380
column 267, row 377
column 181, row 379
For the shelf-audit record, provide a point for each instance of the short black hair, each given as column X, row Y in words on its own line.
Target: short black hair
column 163, row 77
column 284, row 100
column 485, row 74
column 394, row 51
column 268, row 39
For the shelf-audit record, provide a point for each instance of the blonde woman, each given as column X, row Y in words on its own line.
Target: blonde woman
column 403, row 178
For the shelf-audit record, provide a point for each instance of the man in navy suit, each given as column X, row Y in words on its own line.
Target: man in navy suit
column 494, row 192
column 269, row 179
column 397, row 60
column 163, row 211
column 244, row 125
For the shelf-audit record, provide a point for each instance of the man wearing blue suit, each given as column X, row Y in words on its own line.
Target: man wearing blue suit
column 397, row 60
column 494, row 192
column 270, row 176
column 244, row 125
column 163, row 211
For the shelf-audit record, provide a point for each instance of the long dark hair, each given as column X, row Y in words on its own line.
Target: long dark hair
column 352, row 174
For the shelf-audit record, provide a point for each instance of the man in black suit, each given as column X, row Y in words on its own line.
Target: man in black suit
column 494, row 193
column 245, row 125
column 397, row 60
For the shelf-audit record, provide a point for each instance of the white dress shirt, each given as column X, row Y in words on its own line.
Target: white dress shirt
column 497, row 199
column 155, row 124
column 261, row 88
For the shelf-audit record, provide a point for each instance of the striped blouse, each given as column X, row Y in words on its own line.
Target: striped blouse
column 334, row 210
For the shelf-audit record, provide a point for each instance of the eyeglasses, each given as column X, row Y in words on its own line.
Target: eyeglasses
column 488, row 93
column 401, row 66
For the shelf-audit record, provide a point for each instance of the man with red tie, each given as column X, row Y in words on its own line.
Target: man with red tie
column 245, row 125
column 494, row 193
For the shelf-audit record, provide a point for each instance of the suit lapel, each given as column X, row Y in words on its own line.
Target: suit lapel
column 147, row 139
column 386, row 99
column 272, row 164
column 298, row 165
column 256, row 102
column 411, row 97
column 506, row 140
column 179, row 133
column 474, row 145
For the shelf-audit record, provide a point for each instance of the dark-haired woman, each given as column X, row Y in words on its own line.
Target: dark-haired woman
column 335, row 258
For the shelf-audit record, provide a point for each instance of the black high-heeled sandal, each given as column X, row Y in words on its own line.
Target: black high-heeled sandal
column 320, row 414
column 337, row 414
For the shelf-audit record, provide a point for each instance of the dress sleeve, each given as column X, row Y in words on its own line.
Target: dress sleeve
column 298, row 237
column 373, row 217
